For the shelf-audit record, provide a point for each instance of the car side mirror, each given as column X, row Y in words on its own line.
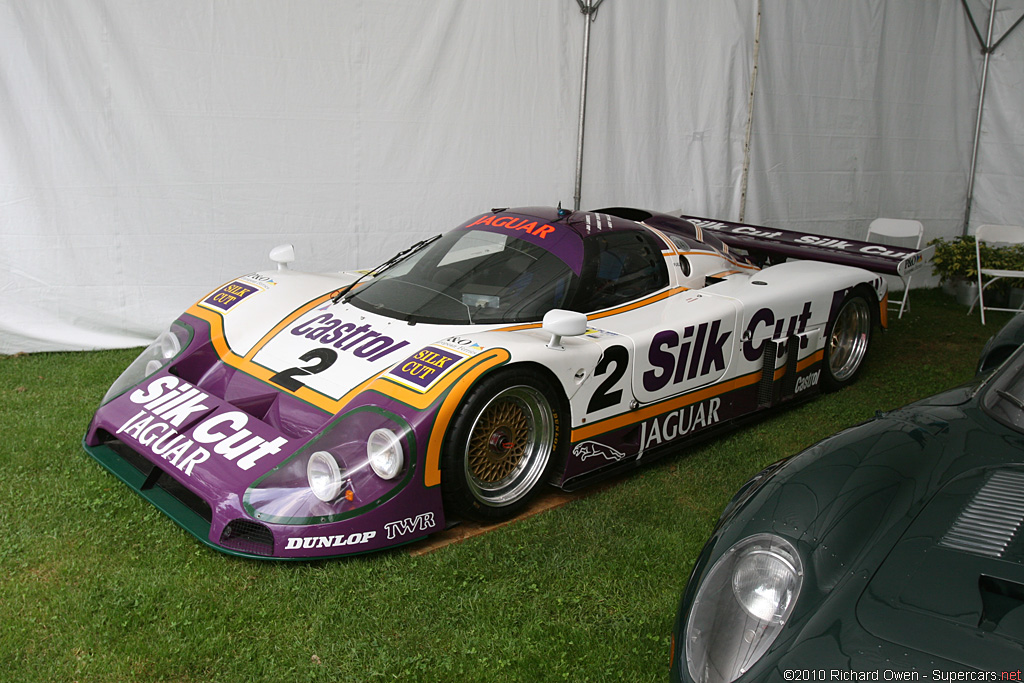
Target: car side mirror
column 561, row 323
column 282, row 255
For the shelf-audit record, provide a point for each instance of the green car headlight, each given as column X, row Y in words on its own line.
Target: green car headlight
column 741, row 607
column 153, row 358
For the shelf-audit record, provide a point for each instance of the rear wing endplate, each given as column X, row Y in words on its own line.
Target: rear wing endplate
column 878, row 258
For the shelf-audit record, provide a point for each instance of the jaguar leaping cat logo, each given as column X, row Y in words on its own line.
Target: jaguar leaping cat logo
column 590, row 449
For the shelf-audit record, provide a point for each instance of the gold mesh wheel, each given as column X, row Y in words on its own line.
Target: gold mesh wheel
column 499, row 441
column 509, row 445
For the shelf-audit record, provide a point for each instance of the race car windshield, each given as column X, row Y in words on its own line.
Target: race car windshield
column 471, row 276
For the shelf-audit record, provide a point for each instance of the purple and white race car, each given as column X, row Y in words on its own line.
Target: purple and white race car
column 298, row 415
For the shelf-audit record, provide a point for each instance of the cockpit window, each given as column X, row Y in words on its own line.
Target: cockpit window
column 623, row 266
column 471, row 276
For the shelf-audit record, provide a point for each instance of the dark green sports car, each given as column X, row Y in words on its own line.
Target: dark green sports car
column 893, row 550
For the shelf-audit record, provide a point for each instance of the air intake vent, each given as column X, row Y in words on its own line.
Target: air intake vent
column 249, row 537
column 990, row 521
column 766, row 387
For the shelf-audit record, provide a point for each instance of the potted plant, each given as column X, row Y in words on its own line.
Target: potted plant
column 955, row 263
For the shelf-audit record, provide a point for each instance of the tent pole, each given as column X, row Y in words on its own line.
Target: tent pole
column 987, row 51
column 589, row 10
column 750, row 117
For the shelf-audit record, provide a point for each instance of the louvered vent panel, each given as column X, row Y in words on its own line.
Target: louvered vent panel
column 990, row 521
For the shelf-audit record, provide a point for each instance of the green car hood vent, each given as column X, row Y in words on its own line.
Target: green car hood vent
column 991, row 520
column 953, row 584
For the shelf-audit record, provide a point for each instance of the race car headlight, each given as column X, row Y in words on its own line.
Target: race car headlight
column 363, row 458
column 384, row 451
column 324, row 476
column 153, row 358
column 741, row 607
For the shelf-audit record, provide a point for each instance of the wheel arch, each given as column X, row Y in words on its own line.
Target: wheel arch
column 840, row 302
column 467, row 496
column 871, row 296
column 564, row 405
column 868, row 293
column 561, row 454
column 551, row 376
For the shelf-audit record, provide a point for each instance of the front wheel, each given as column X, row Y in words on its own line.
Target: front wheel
column 846, row 342
column 501, row 445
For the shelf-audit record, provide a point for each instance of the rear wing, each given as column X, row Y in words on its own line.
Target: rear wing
column 758, row 240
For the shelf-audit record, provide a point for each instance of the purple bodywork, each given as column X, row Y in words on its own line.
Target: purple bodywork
column 211, row 439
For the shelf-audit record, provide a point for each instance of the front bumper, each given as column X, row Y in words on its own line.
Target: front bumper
column 225, row 525
column 197, row 459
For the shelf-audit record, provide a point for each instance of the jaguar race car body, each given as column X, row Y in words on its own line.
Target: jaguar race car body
column 292, row 415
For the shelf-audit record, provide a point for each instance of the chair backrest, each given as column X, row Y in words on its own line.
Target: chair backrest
column 1003, row 234
column 901, row 228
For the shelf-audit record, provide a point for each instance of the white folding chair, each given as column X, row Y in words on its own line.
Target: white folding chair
column 908, row 233
column 994, row 234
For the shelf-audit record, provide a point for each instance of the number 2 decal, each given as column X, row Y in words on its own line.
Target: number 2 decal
column 289, row 378
column 604, row 397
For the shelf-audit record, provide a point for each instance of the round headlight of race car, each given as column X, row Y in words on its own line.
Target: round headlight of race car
column 741, row 606
column 162, row 351
column 384, row 451
column 324, row 476
column 364, row 457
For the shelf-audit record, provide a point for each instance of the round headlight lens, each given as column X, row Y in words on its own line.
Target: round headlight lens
column 159, row 353
column 169, row 345
column 763, row 583
column 741, row 606
column 384, row 451
column 324, row 476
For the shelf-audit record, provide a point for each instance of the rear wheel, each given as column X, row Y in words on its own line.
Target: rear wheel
column 501, row 445
column 847, row 340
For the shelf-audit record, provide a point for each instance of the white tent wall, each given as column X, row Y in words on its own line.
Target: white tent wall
column 864, row 109
column 667, row 105
column 152, row 150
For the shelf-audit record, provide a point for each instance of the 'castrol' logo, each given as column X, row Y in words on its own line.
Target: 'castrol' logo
column 807, row 382
column 362, row 341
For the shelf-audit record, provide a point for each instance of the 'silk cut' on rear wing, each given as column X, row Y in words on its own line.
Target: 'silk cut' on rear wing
column 878, row 258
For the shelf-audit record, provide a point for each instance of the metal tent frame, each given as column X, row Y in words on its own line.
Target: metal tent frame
column 987, row 48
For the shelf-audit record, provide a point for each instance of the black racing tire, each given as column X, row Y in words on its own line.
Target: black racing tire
column 507, row 434
column 847, row 339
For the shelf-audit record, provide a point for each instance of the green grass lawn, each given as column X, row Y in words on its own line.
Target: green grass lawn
column 96, row 585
